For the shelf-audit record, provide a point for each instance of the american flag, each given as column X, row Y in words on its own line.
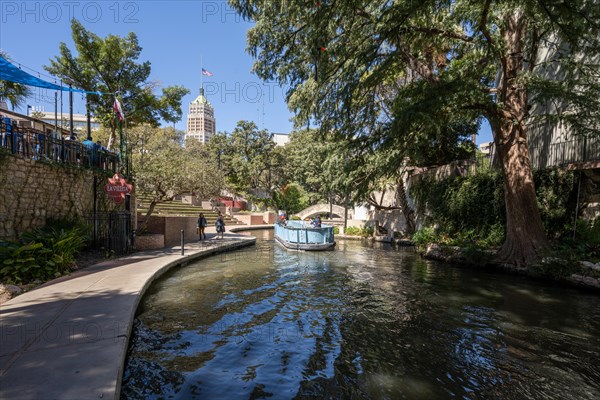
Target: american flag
column 206, row 72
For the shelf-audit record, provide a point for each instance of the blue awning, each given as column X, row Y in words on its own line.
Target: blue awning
column 10, row 72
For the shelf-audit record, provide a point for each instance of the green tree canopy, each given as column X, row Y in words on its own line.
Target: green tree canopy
column 397, row 75
column 321, row 164
column 110, row 65
column 163, row 169
column 292, row 198
column 247, row 158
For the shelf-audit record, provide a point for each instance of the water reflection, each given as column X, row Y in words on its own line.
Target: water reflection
column 360, row 322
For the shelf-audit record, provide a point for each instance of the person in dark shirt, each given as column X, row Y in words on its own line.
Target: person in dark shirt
column 201, row 225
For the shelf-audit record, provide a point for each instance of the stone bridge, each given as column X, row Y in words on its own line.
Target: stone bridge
column 337, row 211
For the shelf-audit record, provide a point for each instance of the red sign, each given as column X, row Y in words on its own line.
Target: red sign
column 117, row 187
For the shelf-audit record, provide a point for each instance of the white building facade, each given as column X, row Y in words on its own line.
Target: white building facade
column 201, row 123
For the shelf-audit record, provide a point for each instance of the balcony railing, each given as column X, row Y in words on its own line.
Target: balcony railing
column 580, row 150
column 29, row 143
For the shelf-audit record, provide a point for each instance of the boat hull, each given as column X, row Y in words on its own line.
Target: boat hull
column 296, row 235
column 305, row 246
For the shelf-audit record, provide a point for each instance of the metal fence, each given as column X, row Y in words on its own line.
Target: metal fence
column 111, row 231
column 34, row 144
column 302, row 233
column 561, row 154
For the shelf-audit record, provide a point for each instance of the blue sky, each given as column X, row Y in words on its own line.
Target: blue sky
column 176, row 37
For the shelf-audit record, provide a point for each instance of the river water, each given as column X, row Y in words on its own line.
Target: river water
column 365, row 321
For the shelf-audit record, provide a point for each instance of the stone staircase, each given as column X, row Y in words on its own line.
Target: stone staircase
column 176, row 208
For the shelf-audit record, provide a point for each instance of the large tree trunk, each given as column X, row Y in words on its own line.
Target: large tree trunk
column 525, row 236
column 142, row 227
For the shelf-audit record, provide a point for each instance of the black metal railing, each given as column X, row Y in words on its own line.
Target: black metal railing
column 111, row 231
column 34, row 144
column 580, row 150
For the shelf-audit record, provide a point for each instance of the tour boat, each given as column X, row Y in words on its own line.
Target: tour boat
column 299, row 235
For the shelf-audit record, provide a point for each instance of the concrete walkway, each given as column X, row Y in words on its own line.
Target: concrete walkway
column 67, row 339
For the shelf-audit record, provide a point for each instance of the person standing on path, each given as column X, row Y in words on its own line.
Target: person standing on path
column 201, row 225
column 220, row 225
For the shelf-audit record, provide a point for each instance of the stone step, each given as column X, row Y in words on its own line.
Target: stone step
column 210, row 219
column 182, row 211
column 179, row 209
column 171, row 211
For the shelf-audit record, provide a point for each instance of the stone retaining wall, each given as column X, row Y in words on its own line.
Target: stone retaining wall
column 391, row 220
column 590, row 194
column 33, row 191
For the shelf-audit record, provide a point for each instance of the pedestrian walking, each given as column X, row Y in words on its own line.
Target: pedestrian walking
column 220, row 225
column 200, row 228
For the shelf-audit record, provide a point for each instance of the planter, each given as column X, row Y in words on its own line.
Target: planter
column 150, row 241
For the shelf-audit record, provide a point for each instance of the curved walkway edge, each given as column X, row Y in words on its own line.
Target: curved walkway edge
column 68, row 338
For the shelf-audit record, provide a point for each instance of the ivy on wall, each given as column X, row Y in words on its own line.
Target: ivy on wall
column 472, row 208
column 557, row 197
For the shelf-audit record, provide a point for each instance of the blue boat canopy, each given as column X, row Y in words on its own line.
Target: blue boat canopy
column 11, row 73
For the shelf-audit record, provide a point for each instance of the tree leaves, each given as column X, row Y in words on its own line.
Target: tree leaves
column 110, row 65
column 247, row 158
column 163, row 169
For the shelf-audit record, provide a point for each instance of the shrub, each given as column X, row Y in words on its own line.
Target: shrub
column 336, row 230
column 424, row 236
column 456, row 204
column 352, row 231
column 356, row 231
column 556, row 197
column 292, row 198
column 495, row 236
column 589, row 232
column 42, row 254
column 584, row 246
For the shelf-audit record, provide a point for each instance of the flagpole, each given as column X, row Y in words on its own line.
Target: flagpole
column 121, row 146
column 201, row 74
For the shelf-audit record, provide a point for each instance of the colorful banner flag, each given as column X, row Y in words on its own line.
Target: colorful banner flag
column 206, row 73
column 118, row 110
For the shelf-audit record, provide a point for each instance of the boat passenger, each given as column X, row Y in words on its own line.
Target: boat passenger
column 316, row 222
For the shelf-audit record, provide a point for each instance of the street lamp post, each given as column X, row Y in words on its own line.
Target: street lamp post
column 71, row 133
